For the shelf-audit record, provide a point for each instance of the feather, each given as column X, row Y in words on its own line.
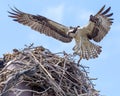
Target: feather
column 106, row 11
column 41, row 24
column 98, row 26
column 102, row 24
column 109, row 15
column 101, row 10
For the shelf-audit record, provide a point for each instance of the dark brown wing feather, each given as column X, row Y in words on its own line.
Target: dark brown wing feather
column 41, row 24
column 103, row 24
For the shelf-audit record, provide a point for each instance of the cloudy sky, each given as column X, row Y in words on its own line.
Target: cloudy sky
column 69, row 13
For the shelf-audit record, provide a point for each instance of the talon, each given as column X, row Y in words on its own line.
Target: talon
column 79, row 61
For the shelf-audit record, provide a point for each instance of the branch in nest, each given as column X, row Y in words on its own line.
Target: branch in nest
column 45, row 73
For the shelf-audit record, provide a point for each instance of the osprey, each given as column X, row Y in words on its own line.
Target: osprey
column 97, row 27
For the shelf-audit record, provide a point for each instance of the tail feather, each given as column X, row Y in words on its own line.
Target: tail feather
column 87, row 50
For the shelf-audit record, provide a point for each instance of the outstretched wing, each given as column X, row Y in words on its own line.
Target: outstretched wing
column 103, row 22
column 42, row 25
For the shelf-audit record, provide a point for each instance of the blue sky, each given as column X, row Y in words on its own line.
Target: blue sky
column 69, row 13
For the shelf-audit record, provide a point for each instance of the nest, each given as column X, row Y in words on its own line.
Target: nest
column 36, row 71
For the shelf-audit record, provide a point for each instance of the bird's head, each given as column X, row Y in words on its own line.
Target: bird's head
column 72, row 31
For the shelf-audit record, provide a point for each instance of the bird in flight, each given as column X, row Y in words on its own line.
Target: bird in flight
column 97, row 27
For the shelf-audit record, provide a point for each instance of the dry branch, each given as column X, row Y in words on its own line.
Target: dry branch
column 42, row 73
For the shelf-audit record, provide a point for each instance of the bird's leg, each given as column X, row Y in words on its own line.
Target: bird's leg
column 78, row 63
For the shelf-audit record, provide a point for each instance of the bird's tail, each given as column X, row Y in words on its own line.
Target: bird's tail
column 87, row 50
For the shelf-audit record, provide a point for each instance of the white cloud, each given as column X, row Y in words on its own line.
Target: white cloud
column 55, row 12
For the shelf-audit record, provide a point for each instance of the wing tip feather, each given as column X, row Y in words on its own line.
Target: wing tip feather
column 101, row 9
column 106, row 11
column 14, row 13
